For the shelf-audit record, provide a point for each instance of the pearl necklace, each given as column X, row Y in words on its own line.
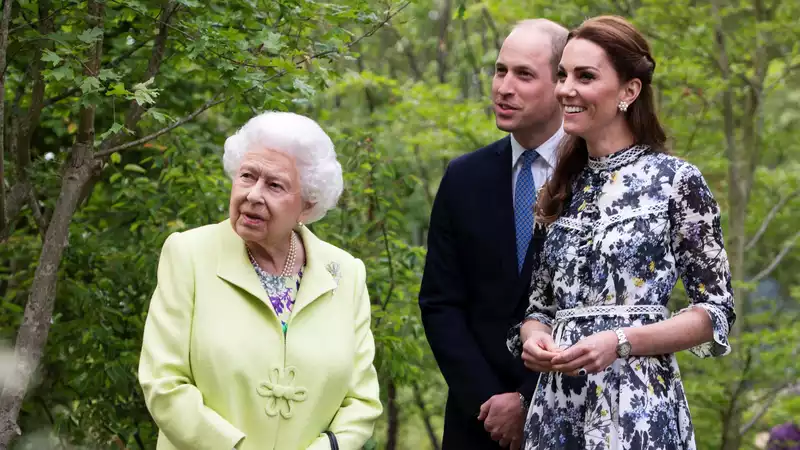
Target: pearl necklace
column 288, row 265
column 291, row 257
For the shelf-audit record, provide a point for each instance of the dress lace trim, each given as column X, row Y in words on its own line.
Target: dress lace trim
column 618, row 159
column 578, row 225
column 646, row 210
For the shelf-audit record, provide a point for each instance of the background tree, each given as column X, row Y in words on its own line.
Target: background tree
column 401, row 95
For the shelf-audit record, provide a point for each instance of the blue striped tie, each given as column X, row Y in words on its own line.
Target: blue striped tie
column 524, row 198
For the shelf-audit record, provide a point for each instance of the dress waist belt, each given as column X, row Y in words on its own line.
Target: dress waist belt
column 611, row 311
column 565, row 315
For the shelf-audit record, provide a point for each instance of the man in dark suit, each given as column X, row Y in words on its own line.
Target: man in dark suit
column 478, row 267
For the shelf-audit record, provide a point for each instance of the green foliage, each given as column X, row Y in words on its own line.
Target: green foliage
column 399, row 106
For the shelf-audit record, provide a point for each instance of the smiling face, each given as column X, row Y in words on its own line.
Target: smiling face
column 522, row 87
column 265, row 199
column 589, row 90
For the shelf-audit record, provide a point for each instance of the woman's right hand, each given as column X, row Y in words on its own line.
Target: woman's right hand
column 538, row 350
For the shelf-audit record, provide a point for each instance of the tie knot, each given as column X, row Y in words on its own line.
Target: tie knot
column 528, row 157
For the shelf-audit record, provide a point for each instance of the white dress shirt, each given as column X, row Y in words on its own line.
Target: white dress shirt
column 542, row 167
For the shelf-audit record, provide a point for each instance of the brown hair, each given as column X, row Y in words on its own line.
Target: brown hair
column 630, row 56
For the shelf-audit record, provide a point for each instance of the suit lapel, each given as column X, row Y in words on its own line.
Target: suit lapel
column 504, row 209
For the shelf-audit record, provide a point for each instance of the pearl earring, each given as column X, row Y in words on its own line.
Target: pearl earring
column 623, row 106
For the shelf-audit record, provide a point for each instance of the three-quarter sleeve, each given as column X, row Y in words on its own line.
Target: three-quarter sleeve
column 541, row 304
column 697, row 244
column 165, row 375
column 354, row 422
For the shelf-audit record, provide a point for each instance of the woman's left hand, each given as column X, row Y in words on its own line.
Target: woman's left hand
column 592, row 354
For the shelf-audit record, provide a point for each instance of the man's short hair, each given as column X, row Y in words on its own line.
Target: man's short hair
column 558, row 38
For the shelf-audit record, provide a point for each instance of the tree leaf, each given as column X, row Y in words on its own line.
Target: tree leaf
column 50, row 56
column 63, row 72
column 306, row 90
column 118, row 90
column 89, row 36
column 134, row 168
column 273, row 43
column 116, row 128
column 108, row 74
column 90, row 84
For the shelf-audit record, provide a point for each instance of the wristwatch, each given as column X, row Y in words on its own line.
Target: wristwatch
column 623, row 346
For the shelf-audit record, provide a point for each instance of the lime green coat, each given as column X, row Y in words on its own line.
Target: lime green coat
column 217, row 371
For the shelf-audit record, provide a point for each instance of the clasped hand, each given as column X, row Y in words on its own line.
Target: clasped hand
column 593, row 353
column 503, row 419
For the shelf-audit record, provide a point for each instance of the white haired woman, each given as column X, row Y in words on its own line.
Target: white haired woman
column 258, row 334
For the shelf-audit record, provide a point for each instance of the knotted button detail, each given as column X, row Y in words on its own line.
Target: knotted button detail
column 280, row 392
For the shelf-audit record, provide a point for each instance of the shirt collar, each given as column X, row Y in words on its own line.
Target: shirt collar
column 548, row 150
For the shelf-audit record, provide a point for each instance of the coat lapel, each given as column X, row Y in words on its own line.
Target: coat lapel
column 234, row 265
column 320, row 274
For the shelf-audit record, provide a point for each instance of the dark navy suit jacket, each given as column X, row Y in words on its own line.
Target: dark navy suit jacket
column 472, row 292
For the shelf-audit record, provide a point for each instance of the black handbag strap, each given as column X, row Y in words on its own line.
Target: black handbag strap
column 332, row 439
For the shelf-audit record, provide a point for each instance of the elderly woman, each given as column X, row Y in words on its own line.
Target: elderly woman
column 258, row 335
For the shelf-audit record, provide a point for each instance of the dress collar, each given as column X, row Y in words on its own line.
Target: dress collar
column 619, row 158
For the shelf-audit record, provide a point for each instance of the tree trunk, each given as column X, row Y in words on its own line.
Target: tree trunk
column 3, row 47
column 737, row 206
column 32, row 334
column 393, row 417
column 441, row 47
column 426, row 418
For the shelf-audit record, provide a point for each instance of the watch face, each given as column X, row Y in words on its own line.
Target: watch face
column 624, row 349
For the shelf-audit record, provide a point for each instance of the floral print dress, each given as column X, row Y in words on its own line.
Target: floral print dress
column 282, row 291
column 637, row 220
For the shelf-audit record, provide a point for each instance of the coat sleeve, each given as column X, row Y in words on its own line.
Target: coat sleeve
column 700, row 255
column 443, row 304
column 164, row 369
column 354, row 422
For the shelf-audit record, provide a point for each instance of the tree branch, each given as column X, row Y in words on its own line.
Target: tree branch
column 788, row 67
column 409, row 52
column 24, row 130
column 14, row 203
column 441, row 44
column 772, row 265
column 50, row 16
column 117, row 61
column 490, row 21
column 209, row 104
column 773, row 396
column 426, row 417
column 33, row 204
column 106, row 151
column 385, row 234
column 731, row 411
column 136, row 110
column 389, row 16
column 772, row 213
column 3, row 46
